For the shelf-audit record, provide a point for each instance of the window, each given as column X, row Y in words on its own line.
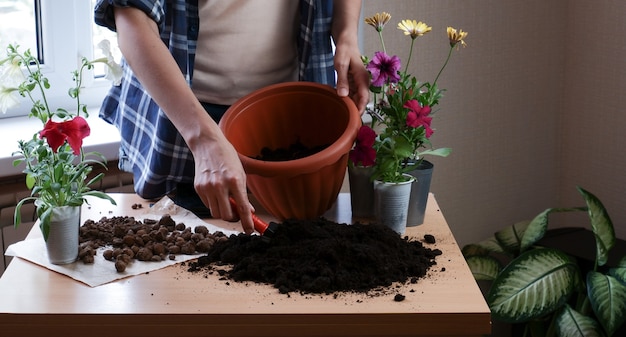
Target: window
column 17, row 23
column 62, row 32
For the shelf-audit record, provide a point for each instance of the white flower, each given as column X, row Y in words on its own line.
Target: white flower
column 11, row 75
column 8, row 98
column 113, row 71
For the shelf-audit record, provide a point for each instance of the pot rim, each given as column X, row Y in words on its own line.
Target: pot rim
column 329, row 156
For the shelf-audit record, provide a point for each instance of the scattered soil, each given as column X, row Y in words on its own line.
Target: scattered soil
column 321, row 256
column 316, row 256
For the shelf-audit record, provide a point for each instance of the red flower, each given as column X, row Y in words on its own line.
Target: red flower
column 366, row 136
column 363, row 151
column 74, row 131
column 419, row 116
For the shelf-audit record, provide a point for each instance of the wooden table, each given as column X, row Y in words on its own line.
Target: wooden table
column 173, row 302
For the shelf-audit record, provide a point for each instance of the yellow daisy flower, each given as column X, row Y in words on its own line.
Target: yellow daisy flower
column 414, row 28
column 378, row 21
column 456, row 37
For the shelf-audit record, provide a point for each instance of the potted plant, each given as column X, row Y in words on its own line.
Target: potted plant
column 56, row 167
column 544, row 289
column 402, row 106
column 361, row 160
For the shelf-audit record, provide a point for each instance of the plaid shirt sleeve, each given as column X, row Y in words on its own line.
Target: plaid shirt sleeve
column 316, row 60
column 151, row 147
column 103, row 12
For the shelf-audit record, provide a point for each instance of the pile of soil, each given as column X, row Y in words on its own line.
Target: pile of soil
column 321, row 256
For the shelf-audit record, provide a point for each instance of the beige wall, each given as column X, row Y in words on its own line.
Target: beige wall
column 532, row 107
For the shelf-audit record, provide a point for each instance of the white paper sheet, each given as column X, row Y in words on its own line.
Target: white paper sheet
column 103, row 271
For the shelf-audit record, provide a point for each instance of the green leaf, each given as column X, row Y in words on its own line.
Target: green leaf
column 484, row 267
column 44, row 221
column 571, row 323
column 101, row 195
column 473, row 249
column 483, row 248
column 403, row 148
column 536, row 283
column 18, row 161
column 608, row 300
column 17, row 215
column 441, row 152
column 492, row 245
column 510, row 237
column 601, row 225
column 30, row 181
column 535, row 230
column 539, row 225
column 619, row 272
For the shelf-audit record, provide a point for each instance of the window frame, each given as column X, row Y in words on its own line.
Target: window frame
column 69, row 21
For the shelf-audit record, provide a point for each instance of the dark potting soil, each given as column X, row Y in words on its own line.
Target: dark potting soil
column 296, row 150
column 321, row 256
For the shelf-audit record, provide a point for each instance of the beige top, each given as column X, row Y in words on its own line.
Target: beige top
column 243, row 46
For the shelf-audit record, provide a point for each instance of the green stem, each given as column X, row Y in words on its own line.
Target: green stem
column 382, row 41
column 37, row 77
column 79, row 81
column 444, row 66
column 406, row 66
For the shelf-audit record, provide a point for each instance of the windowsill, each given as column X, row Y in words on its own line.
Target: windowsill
column 104, row 138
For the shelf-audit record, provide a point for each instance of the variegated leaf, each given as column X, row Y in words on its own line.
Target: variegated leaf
column 601, row 225
column 608, row 300
column 535, row 230
column 571, row 323
column 539, row 226
column 620, row 271
column 510, row 237
column 484, row 247
column 536, row 283
column 484, row 267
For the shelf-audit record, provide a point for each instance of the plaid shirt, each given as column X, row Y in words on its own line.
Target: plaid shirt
column 151, row 147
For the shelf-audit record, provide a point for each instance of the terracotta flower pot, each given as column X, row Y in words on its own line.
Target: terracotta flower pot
column 278, row 116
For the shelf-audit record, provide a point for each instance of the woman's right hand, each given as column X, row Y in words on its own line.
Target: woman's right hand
column 219, row 173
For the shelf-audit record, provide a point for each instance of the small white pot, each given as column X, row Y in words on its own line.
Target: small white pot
column 391, row 203
column 62, row 243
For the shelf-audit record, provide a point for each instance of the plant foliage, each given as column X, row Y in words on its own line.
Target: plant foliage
column 544, row 288
column 56, row 167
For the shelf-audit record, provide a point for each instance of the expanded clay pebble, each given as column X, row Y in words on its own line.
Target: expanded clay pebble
column 151, row 240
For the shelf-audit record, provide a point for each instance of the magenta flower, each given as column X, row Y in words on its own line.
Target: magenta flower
column 384, row 69
column 73, row 131
column 419, row 116
column 363, row 152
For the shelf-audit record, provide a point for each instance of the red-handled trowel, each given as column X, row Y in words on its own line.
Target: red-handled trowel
column 260, row 226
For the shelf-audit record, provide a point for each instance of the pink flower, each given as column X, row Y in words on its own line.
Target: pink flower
column 419, row 116
column 74, row 131
column 363, row 152
column 384, row 69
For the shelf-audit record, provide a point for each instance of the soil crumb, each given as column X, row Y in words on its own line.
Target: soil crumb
column 321, row 256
